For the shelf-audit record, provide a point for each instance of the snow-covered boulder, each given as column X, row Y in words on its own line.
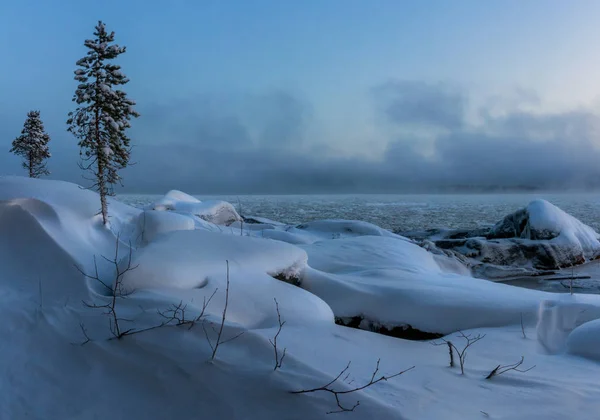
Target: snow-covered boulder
column 541, row 220
column 538, row 237
column 214, row 211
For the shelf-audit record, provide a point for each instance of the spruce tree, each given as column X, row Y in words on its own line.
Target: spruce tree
column 102, row 115
column 32, row 145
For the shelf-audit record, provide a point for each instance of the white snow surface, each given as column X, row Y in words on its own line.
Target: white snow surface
column 46, row 227
column 152, row 223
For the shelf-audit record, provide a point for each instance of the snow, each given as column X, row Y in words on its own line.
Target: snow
column 218, row 212
column 154, row 223
column 46, row 227
column 394, row 282
column 544, row 216
column 332, row 229
column 585, row 340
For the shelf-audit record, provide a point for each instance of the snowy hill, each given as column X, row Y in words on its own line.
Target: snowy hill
column 60, row 359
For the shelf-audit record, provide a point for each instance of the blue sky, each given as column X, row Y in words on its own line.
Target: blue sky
column 323, row 84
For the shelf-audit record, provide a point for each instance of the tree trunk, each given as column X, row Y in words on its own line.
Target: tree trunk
column 31, row 174
column 100, row 175
column 102, row 191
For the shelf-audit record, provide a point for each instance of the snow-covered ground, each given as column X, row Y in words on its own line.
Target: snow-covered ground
column 181, row 251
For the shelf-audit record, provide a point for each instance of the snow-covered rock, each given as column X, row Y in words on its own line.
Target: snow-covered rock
column 213, row 211
column 538, row 237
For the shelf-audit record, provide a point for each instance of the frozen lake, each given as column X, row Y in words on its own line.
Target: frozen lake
column 403, row 212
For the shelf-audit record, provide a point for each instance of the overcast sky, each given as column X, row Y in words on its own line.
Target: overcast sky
column 313, row 96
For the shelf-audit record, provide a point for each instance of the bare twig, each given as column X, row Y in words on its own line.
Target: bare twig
column 336, row 394
column 462, row 353
column 499, row 370
column 451, row 352
column 115, row 291
column 41, row 295
column 214, row 347
column 84, row 331
column 522, row 327
column 278, row 360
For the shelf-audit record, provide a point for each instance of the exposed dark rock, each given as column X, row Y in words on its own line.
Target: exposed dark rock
column 293, row 280
column 250, row 220
column 401, row 331
column 517, row 225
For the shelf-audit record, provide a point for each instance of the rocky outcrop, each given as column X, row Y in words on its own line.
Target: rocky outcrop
column 531, row 241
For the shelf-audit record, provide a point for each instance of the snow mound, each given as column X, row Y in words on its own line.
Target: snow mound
column 585, row 340
column 49, row 227
column 213, row 211
column 195, row 261
column 173, row 198
column 289, row 237
column 394, row 282
column 561, row 316
column 152, row 223
column 31, row 259
column 338, row 228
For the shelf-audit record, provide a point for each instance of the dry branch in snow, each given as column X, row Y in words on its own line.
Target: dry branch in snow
column 328, row 387
column 462, row 353
column 278, row 359
column 499, row 370
column 214, row 347
column 115, row 291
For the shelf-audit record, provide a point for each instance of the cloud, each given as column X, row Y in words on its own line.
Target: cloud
column 252, row 146
column 238, row 143
column 420, row 103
